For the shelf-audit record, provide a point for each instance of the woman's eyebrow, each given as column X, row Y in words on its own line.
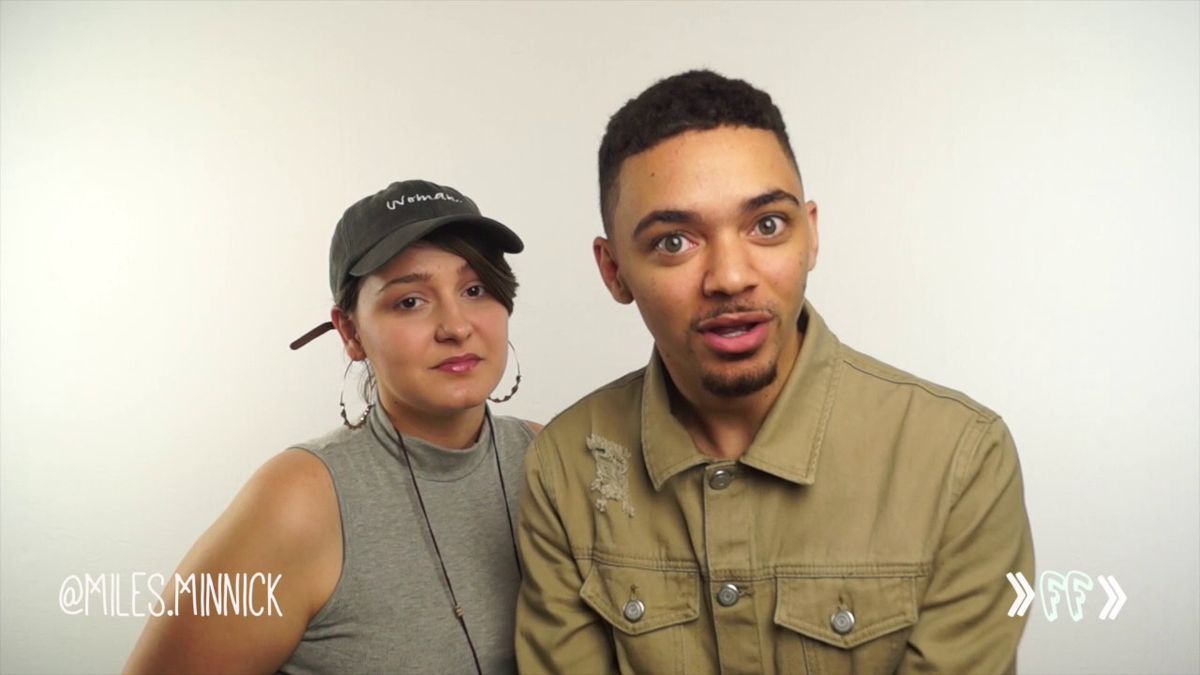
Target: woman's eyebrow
column 406, row 279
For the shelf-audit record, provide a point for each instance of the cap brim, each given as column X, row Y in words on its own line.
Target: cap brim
column 387, row 248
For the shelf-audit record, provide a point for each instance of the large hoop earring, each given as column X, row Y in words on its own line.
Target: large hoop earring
column 362, row 419
column 517, row 384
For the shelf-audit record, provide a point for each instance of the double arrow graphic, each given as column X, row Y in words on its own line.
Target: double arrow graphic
column 1070, row 588
column 1115, row 595
column 1024, row 594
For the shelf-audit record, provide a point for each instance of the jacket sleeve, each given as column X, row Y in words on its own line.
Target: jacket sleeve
column 556, row 632
column 963, row 623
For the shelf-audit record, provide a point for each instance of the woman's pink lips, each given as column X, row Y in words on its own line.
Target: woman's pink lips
column 458, row 364
column 754, row 336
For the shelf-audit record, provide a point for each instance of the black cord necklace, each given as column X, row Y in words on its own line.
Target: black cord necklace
column 455, row 606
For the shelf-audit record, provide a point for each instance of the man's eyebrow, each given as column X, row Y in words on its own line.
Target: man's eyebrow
column 686, row 217
column 406, row 279
column 664, row 216
column 756, row 203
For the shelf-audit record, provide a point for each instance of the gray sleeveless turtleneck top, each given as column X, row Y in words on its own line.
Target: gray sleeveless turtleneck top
column 390, row 611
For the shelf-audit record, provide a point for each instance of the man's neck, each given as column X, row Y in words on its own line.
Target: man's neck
column 725, row 427
column 456, row 430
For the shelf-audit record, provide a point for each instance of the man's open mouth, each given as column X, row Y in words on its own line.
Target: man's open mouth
column 735, row 332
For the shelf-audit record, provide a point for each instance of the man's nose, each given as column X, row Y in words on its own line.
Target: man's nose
column 730, row 269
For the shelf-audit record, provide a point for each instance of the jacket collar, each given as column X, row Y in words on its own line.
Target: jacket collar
column 789, row 442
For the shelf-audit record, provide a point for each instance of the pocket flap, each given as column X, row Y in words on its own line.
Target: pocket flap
column 879, row 605
column 667, row 597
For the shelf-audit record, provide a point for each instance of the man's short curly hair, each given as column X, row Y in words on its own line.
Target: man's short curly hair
column 692, row 101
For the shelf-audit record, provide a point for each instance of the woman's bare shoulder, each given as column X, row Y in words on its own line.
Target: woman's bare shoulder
column 284, row 524
column 292, row 491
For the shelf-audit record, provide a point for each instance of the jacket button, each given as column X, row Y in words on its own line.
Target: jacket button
column 634, row 610
column 720, row 479
column 842, row 621
column 728, row 595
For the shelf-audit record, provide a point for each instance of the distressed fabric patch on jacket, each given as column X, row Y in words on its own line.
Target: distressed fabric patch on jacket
column 612, row 474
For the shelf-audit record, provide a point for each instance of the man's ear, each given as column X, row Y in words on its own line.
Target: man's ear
column 345, row 328
column 810, row 208
column 610, row 271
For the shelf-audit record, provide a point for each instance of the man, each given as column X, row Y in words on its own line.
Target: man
column 760, row 498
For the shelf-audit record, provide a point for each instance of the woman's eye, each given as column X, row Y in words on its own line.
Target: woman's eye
column 476, row 291
column 408, row 303
column 672, row 244
column 769, row 226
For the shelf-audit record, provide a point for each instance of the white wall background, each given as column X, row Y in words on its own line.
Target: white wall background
column 1009, row 206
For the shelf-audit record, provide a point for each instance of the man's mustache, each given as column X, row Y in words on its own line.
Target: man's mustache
column 733, row 308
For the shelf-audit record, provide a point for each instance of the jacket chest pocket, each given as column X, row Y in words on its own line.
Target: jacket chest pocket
column 651, row 613
column 835, row 626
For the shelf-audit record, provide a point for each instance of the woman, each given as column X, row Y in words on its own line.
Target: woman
column 393, row 535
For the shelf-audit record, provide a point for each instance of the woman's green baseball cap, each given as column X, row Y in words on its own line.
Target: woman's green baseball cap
column 376, row 228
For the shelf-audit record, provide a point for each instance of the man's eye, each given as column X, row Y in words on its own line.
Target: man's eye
column 408, row 303
column 672, row 244
column 769, row 226
column 476, row 291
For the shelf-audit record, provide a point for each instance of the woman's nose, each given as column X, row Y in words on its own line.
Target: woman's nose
column 453, row 325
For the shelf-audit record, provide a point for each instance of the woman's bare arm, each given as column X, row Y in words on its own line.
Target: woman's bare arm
column 285, row 524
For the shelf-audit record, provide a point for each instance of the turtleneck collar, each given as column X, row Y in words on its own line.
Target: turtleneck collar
column 429, row 461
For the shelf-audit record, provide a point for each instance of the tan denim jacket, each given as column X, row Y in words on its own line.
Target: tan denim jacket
column 868, row 529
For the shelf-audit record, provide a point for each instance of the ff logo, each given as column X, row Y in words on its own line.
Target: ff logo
column 1070, row 589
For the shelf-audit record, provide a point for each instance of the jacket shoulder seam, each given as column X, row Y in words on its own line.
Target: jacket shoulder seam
column 901, row 378
column 966, row 456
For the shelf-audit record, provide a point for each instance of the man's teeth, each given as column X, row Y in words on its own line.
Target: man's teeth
column 732, row 331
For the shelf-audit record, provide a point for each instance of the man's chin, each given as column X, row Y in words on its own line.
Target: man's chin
column 741, row 382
